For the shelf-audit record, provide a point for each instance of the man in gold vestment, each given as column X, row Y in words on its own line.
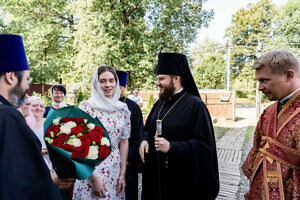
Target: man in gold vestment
column 273, row 164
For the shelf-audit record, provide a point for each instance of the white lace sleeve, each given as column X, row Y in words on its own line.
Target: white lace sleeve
column 125, row 134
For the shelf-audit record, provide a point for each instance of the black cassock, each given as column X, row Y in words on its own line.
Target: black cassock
column 23, row 171
column 134, row 159
column 192, row 169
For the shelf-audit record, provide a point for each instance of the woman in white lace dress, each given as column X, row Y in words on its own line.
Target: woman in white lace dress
column 108, row 179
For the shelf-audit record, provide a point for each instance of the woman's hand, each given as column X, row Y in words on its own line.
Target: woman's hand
column 121, row 185
column 144, row 147
column 98, row 185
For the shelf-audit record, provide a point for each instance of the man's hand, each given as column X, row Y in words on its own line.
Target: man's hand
column 161, row 144
column 144, row 147
column 62, row 183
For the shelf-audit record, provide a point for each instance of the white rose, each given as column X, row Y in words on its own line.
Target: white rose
column 93, row 152
column 74, row 142
column 91, row 126
column 65, row 129
column 56, row 121
column 104, row 140
column 70, row 124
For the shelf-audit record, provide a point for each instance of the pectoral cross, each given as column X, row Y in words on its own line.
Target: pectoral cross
column 159, row 133
column 158, row 127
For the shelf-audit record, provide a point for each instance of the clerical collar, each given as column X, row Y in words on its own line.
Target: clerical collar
column 285, row 99
column 4, row 101
column 179, row 91
column 176, row 95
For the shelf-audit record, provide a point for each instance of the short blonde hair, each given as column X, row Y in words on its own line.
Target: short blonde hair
column 279, row 62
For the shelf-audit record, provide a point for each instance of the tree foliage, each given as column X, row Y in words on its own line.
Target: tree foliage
column 46, row 27
column 69, row 38
column 249, row 27
column 288, row 25
column 209, row 65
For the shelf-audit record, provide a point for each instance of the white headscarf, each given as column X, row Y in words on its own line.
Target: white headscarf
column 34, row 98
column 99, row 101
column 62, row 103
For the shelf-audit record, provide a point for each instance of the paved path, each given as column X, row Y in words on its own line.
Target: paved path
column 229, row 149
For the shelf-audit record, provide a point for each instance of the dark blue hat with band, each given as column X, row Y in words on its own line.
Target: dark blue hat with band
column 122, row 77
column 12, row 53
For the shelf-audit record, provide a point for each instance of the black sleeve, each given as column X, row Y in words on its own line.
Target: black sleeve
column 136, row 135
column 46, row 111
column 23, row 171
column 202, row 147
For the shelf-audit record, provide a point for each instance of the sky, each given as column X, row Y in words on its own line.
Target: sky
column 224, row 9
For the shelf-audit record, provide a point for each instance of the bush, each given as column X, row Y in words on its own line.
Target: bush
column 81, row 97
column 241, row 94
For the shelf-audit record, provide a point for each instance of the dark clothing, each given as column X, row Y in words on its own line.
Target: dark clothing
column 23, row 171
column 134, row 159
column 192, row 171
column 47, row 109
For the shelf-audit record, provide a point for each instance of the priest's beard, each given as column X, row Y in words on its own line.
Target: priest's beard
column 168, row 91
column 18, row 95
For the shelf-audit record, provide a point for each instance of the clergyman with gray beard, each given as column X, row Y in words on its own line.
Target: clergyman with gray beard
column 23, row 171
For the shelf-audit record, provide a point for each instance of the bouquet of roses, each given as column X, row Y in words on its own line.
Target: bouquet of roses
column 75, row 141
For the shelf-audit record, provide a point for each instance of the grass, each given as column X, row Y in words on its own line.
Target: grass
column 249, row 134
column 220, row 131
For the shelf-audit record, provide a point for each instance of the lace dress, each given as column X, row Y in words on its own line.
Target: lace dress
column 117, row 124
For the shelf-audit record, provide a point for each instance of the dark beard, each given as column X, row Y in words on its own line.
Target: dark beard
column 168, row 91
column 17, row 96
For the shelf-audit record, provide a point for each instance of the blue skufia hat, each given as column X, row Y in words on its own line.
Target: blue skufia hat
column 122, row 77
column 12, row 53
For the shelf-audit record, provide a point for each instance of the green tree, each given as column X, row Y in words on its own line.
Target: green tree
column 208, row 64
column 211, row 72
column 69, row 38
column 46, row 28
column 249, row 27
column 288, row 25
column 134, row 32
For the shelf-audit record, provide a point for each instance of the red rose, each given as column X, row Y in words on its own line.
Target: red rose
column 78, row 129
column 63, row 137
column 66, row 119
column 57, row 142
column 54, row 128
column 69, row 148
column 60, row 140
column 79, row 120
column 103, row 152
column 99, row 129
column 95, row 136
column 85, row 139
column 81, row 152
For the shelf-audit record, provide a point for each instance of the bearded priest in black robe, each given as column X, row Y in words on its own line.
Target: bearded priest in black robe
column 134, row 162
column 178, row 150
column 23, row 171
